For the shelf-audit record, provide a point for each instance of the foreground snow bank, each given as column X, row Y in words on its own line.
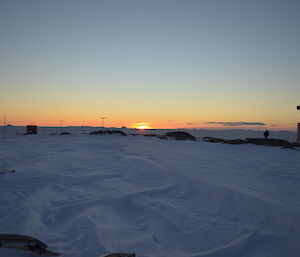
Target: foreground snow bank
column 85, row 196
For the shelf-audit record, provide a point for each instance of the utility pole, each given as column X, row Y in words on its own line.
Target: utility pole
column 4, row 124
column 298, row 130
column 102, row 118
column 61, row 121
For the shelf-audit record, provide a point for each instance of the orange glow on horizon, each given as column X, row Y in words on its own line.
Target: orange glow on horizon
column 141, row 125
column 51, row 120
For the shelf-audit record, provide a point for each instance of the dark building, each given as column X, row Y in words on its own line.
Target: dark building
column 31, row 129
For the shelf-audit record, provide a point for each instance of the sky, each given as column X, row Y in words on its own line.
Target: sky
column 161, row 63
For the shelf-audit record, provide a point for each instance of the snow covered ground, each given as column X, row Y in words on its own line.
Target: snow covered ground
column 88, row 195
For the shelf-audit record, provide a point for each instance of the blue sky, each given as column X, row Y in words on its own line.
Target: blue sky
column 189, row 61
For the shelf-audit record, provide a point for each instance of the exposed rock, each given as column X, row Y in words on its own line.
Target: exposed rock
column 268, row 142
column 179, row 135
column 213, row 140
column 289, row 147
column 100, row 132
column 118, row 132
column 220, row 140
column 295, row 144
column 65, row 133
column 163, row 137
column 108, row 132
column 236, row 142
column 255, row 141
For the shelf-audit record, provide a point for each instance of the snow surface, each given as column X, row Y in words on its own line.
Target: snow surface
column 88, row 195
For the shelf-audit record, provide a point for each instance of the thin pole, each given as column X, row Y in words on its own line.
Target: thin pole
column 4, row 124
column 298, row 128
column 103, row 118
column 61, row 121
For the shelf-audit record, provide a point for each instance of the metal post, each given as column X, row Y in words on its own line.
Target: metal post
column 298, row 130
column 103, row 118
column 4, row 124
column 61, row 121
column 298, row 134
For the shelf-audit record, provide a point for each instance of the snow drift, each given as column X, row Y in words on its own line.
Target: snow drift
column 87, row 195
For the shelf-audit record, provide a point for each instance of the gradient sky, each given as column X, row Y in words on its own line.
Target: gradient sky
column 168, row 63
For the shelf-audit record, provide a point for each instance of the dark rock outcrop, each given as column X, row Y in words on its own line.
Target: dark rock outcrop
column 220, row 140
column 255, row 141
column 295, row 144
column 163, row 137
column 108, row 132
column 268, row 142
column 289, row 147
column 179, row 135
column 213, row 140
column 236, row 142
column 65, row 133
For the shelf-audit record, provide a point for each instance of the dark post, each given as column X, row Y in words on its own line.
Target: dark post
column 103, row 118
column 298, row 130
column 4, row 124
column 61, row 122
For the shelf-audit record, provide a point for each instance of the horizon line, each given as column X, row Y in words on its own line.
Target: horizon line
column 147, row 129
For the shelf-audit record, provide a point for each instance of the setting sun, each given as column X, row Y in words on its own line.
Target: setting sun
column 142, row 125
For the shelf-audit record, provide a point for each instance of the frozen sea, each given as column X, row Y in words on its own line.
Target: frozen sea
column 89, row 195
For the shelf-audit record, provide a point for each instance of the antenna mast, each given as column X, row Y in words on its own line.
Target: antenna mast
column 61, row 121
column 4, row 124
column 298, row 129
column 103, row 118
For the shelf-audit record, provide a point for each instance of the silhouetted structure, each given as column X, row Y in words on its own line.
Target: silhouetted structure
column 298, row 130
column 31, row 129
column 266, row 134
column 298, row 134
column 4, row 124
column 103, row 118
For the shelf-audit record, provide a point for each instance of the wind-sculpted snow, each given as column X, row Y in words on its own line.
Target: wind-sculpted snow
column 85, row 196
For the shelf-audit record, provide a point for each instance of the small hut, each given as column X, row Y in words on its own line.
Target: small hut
column 31, row 129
